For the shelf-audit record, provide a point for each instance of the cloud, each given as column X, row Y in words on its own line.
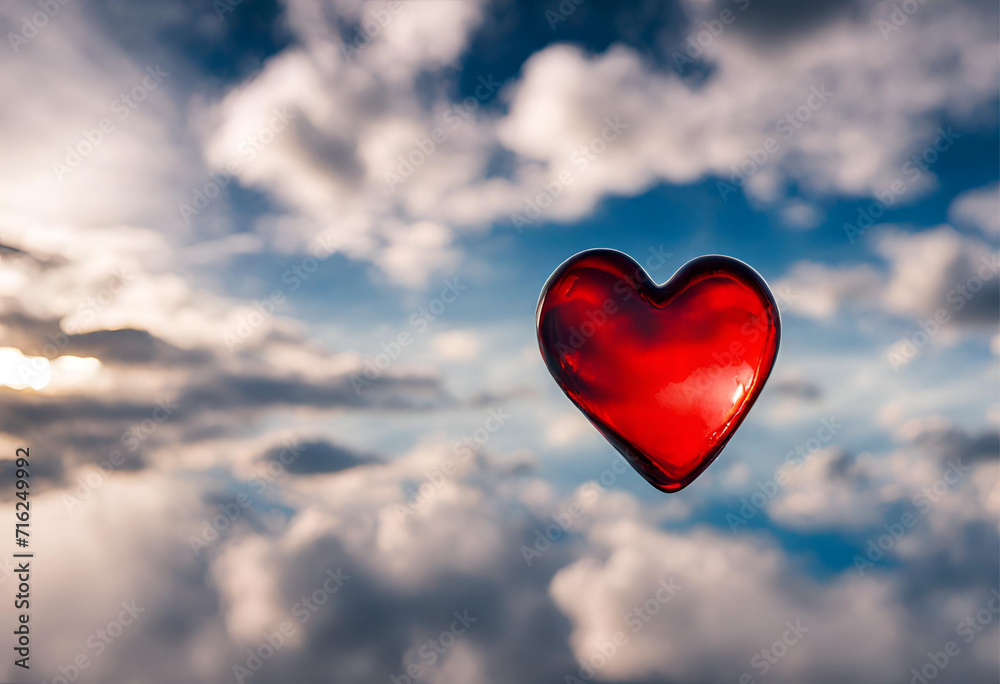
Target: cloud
column 128, row 346
column 832, row 489
column 311, row 458
column 951, row 442
column 733, row 600
column 84, row 134
column 941, row 269
column 423, row 531
column 363, row 183
column 796, row 388
column 931, row 271
column 419, row 170
column 409, row 555
column 458, row 345
column 812, row 99
column 567, row 429
column 820, row 290
column 979, row 209
column 417, row 251
column 838, row 490
column 801, row 215
column 141, row 394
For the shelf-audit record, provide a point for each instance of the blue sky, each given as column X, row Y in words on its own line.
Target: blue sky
column 165, row 254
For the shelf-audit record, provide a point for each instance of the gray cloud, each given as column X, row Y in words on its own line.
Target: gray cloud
column 318, row 456
column 797, row 389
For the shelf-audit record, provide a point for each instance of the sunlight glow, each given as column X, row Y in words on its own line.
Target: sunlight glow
column 20, row 372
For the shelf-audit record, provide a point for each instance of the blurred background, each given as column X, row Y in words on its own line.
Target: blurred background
column 267, row 287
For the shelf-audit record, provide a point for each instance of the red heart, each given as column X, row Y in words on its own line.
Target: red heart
column 665, row 372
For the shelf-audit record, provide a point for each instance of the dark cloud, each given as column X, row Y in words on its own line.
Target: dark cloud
column 797, row 389
column 486, row 399
column 981, row 308
column 845, row 467
column 767, row 21
column 33, row 336
column 336, row 156
column 232, row 392
column 125, row 346
column 955, row 444
column 130, row 346
column 75, row 429
column 319, row 456
column 378, row 626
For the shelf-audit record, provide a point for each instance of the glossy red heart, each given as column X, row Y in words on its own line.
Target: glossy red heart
column 665, row 372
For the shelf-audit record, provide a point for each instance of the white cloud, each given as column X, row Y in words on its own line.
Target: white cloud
column 69, row 169
column 390, row 176
column 978, row 209
column 384, row 189
column 820, row 290
column 937, row 467
column 927, row 272
column 801, row 215
column 928, row 268
column 733, row 601
column 843, row 142
column 831, row 489
column 568, row 428
column 457, row 345
column 416, row 252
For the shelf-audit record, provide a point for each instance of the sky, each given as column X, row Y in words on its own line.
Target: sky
column 268, row 277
